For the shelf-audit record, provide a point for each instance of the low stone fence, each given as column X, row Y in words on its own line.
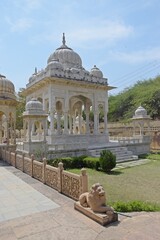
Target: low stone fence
column 72, row 185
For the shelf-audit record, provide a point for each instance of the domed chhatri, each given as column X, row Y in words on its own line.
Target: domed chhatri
column 66, row 89
column 34, row 107
column 96, row 72
column 66, row 56
column 55, row 64
column 8, row 103
column 7, row 89
column 66, row 64
column 140, row 113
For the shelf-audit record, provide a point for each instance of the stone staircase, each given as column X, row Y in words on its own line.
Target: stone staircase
column 121, row 152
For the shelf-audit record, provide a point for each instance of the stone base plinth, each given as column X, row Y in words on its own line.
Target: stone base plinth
column 101, row 218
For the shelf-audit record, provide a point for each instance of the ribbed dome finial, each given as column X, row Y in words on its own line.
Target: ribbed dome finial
column 64, row 40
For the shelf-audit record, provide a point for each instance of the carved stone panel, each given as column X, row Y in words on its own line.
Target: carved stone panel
column 71, row 185
column 38, row 170
column 19, row 162
column 51, row 175
column 27, row 166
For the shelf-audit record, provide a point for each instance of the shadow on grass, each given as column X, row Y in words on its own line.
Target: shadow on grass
column 116, row 172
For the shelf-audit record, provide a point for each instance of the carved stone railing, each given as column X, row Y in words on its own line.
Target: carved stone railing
column 28, row 165
column 38, row 170
column 51, row 177
column 7, row 156
column 19, row 162
column 13, row 159
column 70, row 184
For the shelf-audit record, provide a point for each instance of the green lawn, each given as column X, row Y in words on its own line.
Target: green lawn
column 140, row 183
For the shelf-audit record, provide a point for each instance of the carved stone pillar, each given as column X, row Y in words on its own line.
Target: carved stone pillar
column 58, row 123
column 74, row 127
column 65, row 122
column 52, row 123
column 70, row 124
column 80, row 123
column 29, row 130
column 7, row 124
column 96, row 115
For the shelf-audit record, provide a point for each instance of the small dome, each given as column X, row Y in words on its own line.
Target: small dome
column 66, row 56
column 34, row 107
column 55, row 64
column 96, row 72
column 140, row 112
column 6, row 88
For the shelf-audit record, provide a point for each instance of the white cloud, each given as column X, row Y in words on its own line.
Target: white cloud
column 20, row 24
column 98, row 32
column 109, row 31
column 138, row 56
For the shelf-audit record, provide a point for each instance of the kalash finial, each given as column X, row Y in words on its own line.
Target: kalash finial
column 64, row 40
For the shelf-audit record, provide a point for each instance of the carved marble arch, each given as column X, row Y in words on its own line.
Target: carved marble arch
column 138, row 126
column 79, row 109
column 59, row 106
column 78, row 103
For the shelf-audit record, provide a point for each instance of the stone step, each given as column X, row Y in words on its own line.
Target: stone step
column 122, row 154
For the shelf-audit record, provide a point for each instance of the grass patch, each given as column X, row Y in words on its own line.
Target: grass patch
column 151, row 156
column 135, row 206
column 131, row 188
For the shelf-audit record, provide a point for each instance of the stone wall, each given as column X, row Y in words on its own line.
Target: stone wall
column 72, row 185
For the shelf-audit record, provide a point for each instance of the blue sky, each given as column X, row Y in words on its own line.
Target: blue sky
column 121, row 37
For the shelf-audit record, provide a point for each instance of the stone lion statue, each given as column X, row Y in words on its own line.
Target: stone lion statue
column 95, row 199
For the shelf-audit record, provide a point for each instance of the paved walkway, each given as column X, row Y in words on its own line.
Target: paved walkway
column 131, row 163
column 24, row 214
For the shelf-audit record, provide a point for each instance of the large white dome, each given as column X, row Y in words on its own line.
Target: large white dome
column 66, row 56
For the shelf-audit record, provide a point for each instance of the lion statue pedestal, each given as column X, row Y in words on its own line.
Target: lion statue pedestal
column 93, row 205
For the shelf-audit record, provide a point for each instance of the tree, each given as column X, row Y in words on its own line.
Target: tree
column 19, row 112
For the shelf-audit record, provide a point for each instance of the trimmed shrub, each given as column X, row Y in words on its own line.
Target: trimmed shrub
column 91, row 162
column 68, row 162
column 107, row 160
column 76, row 162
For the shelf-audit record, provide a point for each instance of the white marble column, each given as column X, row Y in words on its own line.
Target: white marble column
column 70, row 124
column 96, row 115
column 105, row 119
column 44, row 129
column 58, row 123
column 80, row 123
column 74, row 127
column 30, row 126
column 52, row 128
column 65, row 122
column 14, row 127
column 7, row 124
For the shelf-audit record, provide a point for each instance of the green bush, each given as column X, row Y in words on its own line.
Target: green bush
column 135, row 206
column 91, row 162
column 68, row 162
column 76, row 162
column 107, row 160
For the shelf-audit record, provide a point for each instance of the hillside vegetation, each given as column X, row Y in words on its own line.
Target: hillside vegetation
column 145, row 93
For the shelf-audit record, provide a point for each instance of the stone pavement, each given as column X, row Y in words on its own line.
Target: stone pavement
column 60, row 221
column 131, row 163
